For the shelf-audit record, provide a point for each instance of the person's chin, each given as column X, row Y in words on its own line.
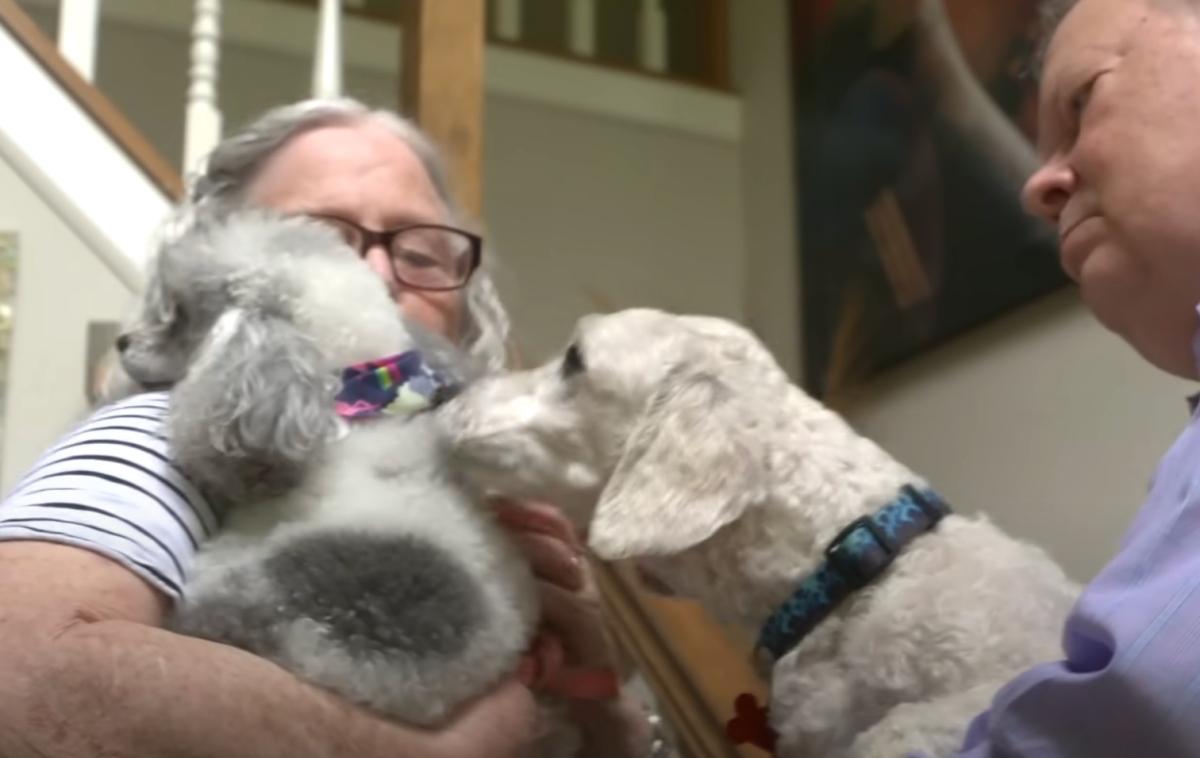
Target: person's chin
column 1166, row 346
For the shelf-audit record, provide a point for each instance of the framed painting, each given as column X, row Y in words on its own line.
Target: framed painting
column 915, row 124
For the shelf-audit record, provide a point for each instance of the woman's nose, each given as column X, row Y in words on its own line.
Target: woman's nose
column 380, row 261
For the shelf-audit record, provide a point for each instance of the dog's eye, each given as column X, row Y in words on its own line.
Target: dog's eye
column 573, row 362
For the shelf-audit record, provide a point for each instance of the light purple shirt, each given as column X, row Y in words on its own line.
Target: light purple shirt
column 1130, row 683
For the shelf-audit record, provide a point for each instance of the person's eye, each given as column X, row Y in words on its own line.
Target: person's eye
column 1079, row 101
column 417, row 259
column 572, row 363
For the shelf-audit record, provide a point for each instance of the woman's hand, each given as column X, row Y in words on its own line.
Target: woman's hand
column 575, row 658
column 573, row 635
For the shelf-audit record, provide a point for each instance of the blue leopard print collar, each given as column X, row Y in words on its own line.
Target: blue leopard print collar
column 854, row 558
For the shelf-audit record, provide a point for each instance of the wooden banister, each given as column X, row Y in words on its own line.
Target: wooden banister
column 442, row 85
column 102, row 111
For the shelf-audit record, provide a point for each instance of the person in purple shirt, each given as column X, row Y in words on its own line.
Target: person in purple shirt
column 1119, row 146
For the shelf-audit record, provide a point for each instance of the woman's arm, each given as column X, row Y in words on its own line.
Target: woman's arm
column 87, row 673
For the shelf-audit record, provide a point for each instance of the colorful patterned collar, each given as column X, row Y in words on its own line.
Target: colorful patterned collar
column 855, row 558
column 400, row 384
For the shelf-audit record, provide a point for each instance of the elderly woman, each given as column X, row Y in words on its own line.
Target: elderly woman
column 97, row 540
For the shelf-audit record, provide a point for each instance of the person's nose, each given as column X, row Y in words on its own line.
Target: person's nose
column 376, row 256
column 1049, row 188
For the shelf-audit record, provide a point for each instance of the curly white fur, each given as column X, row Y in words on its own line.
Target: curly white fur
column 350, row 554
column 680, row 442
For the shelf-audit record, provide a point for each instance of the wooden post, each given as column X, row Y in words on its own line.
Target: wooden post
column 443, row 85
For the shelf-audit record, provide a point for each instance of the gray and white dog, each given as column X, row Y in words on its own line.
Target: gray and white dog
column 350, row 554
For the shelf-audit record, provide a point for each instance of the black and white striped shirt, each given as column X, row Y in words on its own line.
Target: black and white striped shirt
column 110, row 486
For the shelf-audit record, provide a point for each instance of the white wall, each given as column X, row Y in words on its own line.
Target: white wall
column 61, row 286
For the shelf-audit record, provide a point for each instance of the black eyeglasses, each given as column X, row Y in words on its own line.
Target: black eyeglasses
column 423, row 256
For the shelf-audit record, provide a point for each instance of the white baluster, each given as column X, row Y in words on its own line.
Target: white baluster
column 652, row 36
column 203, row 127
column 78, row 26
column 508, row 19
column 327, row 62
column 581, row 27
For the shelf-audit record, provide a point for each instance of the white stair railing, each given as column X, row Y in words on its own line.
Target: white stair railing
column 78, row 27
column 652, row 36
column 202, row 129
column 508, row 20
column 327, row 61
column 581, row 27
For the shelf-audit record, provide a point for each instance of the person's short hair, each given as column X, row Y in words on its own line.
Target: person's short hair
column 1052, row 13
column 220, row 186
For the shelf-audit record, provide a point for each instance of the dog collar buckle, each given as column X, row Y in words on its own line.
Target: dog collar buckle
column 859, row 567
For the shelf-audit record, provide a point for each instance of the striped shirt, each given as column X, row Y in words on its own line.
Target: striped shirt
column 110, row 486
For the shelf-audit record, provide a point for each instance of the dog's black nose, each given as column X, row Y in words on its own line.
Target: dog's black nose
column 123, row 341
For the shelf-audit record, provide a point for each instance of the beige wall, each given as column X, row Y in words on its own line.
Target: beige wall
column 592, row 214
column 60, row 287
column 761, row 74
column 1044, row 420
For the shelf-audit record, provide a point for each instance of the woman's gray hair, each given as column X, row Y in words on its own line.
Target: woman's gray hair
column 220, row 186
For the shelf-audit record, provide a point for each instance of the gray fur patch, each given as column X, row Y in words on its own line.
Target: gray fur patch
column 379, row 593
column 234, row 617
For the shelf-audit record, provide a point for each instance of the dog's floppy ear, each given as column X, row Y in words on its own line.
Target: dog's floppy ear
column 256, row 402
column 694, row 462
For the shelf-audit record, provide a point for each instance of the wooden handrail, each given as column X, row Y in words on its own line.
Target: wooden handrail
column 102, row 111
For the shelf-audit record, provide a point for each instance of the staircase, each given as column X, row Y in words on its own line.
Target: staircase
column 82, row 193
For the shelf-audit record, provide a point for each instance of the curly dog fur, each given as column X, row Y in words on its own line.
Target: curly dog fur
column 350, row 554
column 680, row 442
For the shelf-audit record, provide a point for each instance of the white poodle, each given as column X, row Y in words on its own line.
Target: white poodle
column 350, row 553
column 679, row 441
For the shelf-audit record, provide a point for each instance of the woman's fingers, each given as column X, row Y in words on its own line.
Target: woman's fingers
column 552, row 560
column 538, row 518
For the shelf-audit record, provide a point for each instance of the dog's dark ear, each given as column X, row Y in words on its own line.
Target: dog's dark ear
column 255, row 406
column 693, row 464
